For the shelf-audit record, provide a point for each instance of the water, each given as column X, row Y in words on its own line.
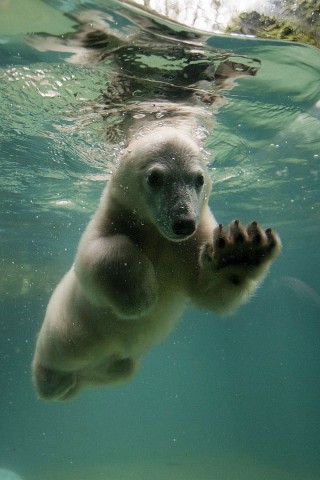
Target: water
column 221, row 399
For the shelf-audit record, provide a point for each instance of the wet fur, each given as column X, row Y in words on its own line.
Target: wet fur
column 132, row 277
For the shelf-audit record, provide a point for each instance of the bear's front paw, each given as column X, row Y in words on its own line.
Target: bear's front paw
column 249, row 247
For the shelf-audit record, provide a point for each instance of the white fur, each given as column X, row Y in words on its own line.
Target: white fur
column 151, row 247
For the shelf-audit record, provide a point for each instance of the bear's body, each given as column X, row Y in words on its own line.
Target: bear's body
column 152, row 247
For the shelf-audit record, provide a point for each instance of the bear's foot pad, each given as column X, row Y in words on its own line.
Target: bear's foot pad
column 121, row 369
column 54, row 385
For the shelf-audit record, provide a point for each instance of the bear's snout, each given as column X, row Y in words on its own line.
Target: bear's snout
column 184, row 226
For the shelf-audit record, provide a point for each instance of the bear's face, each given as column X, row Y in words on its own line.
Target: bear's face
column 175, row 197
column 164, row 179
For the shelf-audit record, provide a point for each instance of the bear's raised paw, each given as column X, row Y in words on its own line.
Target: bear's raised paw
column 248, row 247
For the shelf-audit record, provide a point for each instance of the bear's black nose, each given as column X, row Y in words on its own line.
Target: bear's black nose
column 184, row 226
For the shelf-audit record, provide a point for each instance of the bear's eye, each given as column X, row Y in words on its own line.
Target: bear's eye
column 199, row 180
column 155, row 178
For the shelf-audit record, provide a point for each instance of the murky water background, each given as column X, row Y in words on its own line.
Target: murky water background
column 221, row 399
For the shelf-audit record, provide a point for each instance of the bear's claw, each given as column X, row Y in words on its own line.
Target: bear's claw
column 221, row 238
column 248, row 246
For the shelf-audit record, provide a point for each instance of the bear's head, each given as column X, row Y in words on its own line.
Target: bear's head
column 162, row 177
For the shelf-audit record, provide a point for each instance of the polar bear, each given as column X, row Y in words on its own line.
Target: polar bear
column 152, row 247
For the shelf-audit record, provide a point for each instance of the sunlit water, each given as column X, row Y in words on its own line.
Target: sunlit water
column 232, row 399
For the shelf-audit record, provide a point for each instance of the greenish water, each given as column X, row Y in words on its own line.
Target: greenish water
column 224, row 399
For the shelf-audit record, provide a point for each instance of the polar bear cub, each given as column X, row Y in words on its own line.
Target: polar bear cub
column 152, row 246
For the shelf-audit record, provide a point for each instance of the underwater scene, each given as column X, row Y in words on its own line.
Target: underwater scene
column 216, row 397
